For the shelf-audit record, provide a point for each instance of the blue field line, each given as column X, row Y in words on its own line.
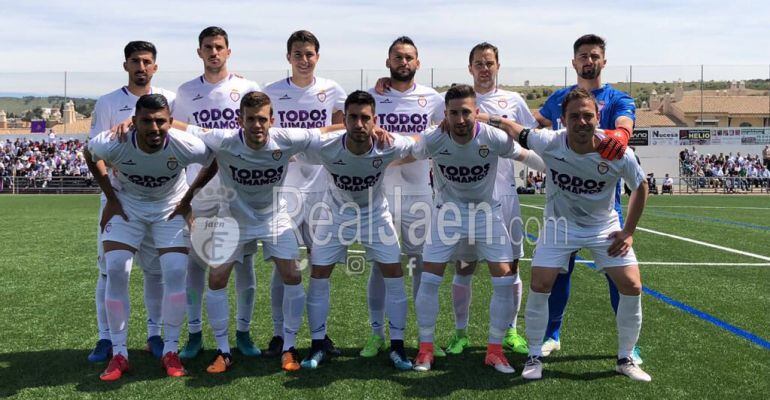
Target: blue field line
column 692, row 311
column 708, row 219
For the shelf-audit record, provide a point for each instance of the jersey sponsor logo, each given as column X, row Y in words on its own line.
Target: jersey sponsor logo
column 302, row 118
column 197, row 97
column 235, row 95
column 172, row 163
column 484, row 151
column 255, row 177
column 502, row 103
column 602, row 167
column 277, row 155
column 218, row 119
column 377, row 162
column 403, row 123
column 321, row 96
column 464, row 174
column 355, row 183
column 576, row 184
column 149, row 181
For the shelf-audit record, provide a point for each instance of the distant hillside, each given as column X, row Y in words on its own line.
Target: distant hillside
column 16, row 106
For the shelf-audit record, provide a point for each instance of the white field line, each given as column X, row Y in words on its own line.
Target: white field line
column 685, row 239
column 714, row 207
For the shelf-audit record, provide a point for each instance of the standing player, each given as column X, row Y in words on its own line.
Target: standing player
column 406, row 108
column 302, row 101
column 212, row 100
column 465, row 161
column 579, row 212
column 484, row 64
column 355, row 209
column 251, row 162
column 110, row 110
column 616, row 112
column 150, row 169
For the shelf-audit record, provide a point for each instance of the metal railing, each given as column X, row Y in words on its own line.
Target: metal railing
column 43, row 185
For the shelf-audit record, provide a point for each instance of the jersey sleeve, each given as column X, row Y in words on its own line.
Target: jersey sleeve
column 171, row 98
column 212, row 138
column 438, row 111
column 504, row 145
column 339, row 98
column 312, row 153
column 192, row 150
column 632, row 171
column 523, row 115
column 300, row 139
column 99, row 146
column 421, row 149
column 624, row 107
column 180, row 110
column 100, row 118
column 538, row 140
column 550, row 109
column 403, row 145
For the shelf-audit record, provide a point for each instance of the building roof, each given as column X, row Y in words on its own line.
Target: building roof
column 652, row 118
column 757, row 105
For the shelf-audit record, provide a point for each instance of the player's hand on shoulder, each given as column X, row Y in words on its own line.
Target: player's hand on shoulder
column 382, row 138
column 120, row 131
column 111, row 209
column 621, row 243
column 382, row 85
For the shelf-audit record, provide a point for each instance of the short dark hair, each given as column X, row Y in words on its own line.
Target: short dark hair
column 256, row 99
column 303, row 36
column 211, row 32
column 591, row 39
column 404, row 40
column 361, row 98
column 154, row 102
column 577, row 94
column 139, row 45
column 461, row 91
column 481, row 47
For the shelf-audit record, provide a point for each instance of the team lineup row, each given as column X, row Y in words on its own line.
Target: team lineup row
column 380, row 164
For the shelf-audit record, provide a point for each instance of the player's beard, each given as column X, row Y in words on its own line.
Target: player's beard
column 590, row 73
column 141, row 80
column 402, row 77
column 463, row 131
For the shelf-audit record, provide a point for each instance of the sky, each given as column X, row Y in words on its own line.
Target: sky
column 88, row 36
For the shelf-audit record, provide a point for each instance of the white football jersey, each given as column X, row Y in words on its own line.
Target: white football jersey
column 306, row 107
column 356, row 178
column 465, row 173
column 408, row 113
column 150, row 179
column 253, row 174
column 581, row 187
column 117, row 106
column 512, row 106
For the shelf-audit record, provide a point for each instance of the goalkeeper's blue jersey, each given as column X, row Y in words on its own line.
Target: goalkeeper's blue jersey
column 613, row 103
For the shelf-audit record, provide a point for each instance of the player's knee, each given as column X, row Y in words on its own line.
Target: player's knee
column 464, row 268
column 540, row 285
column 391, row 270
column 321, row 271
column 218, row 281
column 630, row 288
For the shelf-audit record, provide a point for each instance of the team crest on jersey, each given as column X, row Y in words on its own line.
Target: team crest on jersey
column 172, row 163
column 502, row 103
column 321, row 96
column 277, row 155
column 235, row 95
column 422, row 101
column 484, row 151
column 377, row 162
column 603, row 167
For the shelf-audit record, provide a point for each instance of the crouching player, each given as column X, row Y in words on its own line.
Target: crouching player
column 580, row 213
column 150, row 168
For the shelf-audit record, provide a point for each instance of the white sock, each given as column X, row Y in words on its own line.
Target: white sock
column 293, row 306
column 276, row 302
column 116, row 298
column 396, row 307
column 245, row 285
column 416, row 274
column 461, row 299
column 629, row 323
column 219, row 316
column 317, row 307
column 196, row 282
column 517, row 290
column 101, row 310
column 500, row 308
column 426, row 306
column 536, row 319
column 153, row 302
column 376, row 301
column 174, row 267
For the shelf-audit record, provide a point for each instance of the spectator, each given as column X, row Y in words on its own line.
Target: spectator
column 766, row 157
column 668, row 185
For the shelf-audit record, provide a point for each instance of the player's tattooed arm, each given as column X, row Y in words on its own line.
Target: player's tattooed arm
column 184, row 208
column 623, row 239
column 101, row 175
